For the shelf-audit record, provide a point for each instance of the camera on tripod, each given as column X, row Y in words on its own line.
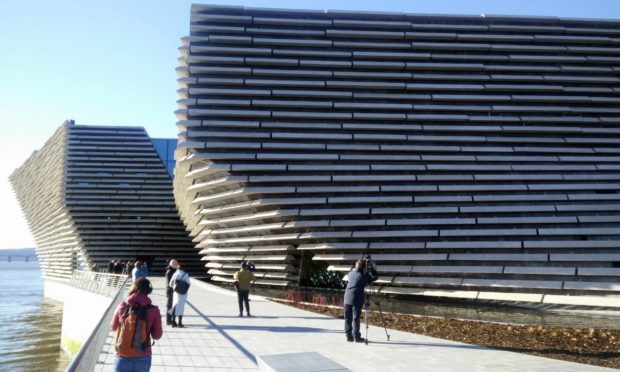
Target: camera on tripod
column 371, row 268
column 369, row 264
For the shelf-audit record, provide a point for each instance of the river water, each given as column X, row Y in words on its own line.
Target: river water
column 30, row 325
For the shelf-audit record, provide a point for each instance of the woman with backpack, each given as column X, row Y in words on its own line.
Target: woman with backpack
column 136, row 322
column 180, row 285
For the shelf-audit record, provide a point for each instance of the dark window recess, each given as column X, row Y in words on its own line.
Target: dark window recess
column 615, row 264
column 606, row 191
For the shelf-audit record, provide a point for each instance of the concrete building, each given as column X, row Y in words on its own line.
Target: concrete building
column 470, row 155
column 95, row 193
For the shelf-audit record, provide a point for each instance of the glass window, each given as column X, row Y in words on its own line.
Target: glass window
column 172, row 145
column 161, row 147
column 165, row 149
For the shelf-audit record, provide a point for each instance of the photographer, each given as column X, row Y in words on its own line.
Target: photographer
column 363, row 273
column 243, row 278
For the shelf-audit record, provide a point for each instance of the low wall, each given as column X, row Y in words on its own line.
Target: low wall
column 80, row 314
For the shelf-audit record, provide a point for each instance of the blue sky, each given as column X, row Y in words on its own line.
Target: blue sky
column 112, row 62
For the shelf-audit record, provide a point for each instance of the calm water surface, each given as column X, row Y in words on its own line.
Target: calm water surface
column 30, row 325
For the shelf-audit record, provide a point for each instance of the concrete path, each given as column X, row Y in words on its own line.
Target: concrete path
column 215, row 339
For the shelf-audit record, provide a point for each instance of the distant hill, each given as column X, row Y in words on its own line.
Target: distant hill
column 18, row 252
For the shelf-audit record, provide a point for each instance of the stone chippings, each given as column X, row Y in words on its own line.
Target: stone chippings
column 93, row 193
column 471, row 156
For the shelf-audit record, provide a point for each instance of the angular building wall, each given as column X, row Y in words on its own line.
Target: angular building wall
column 39, row 187
column 111, row 198
column 469, row 155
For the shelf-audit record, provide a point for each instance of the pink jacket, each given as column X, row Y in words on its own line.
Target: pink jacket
column 153, row 317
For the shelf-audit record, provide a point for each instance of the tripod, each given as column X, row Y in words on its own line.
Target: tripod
column 367, row 302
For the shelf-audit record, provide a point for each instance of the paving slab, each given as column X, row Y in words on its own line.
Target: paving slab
column 216, row 339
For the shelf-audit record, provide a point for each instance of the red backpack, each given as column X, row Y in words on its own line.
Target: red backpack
column 133, row 336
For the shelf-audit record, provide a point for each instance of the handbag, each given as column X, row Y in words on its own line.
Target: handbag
column 181, row 286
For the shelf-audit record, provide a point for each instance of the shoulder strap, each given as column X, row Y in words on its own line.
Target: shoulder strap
column 143, row 310
column 127, row 309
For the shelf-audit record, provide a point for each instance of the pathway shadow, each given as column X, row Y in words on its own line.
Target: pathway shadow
column 191, row 326
column 279, row 329
column 230, row 339
column 267, row 317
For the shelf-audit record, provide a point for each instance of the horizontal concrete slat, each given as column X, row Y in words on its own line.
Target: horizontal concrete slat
column 458, row 269
column 426, row 280
column 539, row 270
column 539, row 284
column 593, row 286
column 505, row 124
column 594, row 257
column 598, row 271
column 498, row 257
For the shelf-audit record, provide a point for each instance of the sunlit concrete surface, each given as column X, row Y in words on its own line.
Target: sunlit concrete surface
column 215, row 339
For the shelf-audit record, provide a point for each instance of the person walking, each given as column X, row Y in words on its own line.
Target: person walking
column 170, row 270
column 128, row 268
column 139, row 271
column 180, row 285
column 136, row 313
column 118, row 267
column 358, row 277
column 243, row 278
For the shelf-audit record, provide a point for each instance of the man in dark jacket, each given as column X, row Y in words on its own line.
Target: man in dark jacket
column 111, row 266
column 170, row 270
column 354, row 299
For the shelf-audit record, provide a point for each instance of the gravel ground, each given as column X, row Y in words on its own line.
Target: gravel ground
column 583, row 345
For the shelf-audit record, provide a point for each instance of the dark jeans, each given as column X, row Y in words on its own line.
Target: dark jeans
column 243, row 296
column 352, row 314
column 169, row 294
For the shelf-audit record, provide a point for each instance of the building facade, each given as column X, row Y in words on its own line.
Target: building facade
column 95, row 193
column 471, row 156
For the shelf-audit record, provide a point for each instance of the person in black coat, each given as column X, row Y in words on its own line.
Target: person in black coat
column 170, row 270
column 354, row 298
column 111, row 265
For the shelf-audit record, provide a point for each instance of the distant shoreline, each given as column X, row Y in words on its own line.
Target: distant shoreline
column 17, row 252
column 18, row 255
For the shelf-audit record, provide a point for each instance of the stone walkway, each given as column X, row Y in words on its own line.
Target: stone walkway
column 215, row 339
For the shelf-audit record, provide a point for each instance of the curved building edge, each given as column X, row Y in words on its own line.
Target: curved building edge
column 472, row 157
